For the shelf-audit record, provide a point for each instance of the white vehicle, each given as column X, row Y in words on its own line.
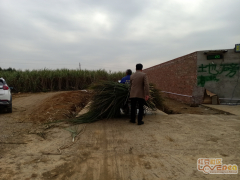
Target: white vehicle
column 5, row 96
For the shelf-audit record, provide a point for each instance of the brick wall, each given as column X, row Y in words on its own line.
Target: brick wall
column 177, row 76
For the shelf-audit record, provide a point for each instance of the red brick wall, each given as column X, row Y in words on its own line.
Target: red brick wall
column 176, row 76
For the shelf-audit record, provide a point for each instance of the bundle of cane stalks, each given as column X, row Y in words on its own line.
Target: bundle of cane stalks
column 109, row 97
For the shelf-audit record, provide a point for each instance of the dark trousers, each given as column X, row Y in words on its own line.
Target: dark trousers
column 134, row 102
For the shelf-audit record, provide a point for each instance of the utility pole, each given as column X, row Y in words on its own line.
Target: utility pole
column 80, row 66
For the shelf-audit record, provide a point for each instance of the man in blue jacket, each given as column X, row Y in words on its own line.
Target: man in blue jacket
column 126, row 79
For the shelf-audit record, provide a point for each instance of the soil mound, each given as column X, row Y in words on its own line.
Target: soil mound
column 49, row 107
column 61, row 106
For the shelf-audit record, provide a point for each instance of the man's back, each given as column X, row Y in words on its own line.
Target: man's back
column 139, row 85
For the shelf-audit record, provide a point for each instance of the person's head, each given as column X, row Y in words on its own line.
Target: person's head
column 139, row 67
column 128, row 72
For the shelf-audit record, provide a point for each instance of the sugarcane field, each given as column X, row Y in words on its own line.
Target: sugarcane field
column 45, row 138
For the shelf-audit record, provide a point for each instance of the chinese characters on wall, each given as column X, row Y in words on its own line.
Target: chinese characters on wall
column 210, row 72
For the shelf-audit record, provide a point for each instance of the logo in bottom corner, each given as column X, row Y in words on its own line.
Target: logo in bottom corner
column 215, row 166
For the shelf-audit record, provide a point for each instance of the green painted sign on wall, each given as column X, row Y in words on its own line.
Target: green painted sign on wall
column 214, row 56
column 237, row 48
column 210, row 72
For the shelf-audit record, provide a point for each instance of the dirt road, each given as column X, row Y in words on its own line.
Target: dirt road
column 165, row 147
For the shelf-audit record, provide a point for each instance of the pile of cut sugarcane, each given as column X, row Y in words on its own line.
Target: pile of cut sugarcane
column 109, row 97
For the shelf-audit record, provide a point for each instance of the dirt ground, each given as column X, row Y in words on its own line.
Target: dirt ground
column 165, row 147
column 176, row 107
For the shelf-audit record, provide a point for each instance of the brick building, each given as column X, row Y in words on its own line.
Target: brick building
column 185, row 78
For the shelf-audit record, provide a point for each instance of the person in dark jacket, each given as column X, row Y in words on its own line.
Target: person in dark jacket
column 139, row 93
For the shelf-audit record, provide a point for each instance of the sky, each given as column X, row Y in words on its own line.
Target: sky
column 113, row 35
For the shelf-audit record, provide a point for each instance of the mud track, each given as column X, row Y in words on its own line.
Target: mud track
column 165, row 147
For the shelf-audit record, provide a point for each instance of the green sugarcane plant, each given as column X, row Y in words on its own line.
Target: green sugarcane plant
column 56, row 80
column 109, row 97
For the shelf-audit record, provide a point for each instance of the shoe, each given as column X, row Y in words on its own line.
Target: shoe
column 140, row 123
column 132, row 121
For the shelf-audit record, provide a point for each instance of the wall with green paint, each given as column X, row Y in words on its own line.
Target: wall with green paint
column 185, row 78
column 221, row 76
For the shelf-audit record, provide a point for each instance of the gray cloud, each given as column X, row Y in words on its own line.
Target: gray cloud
column 109, row 34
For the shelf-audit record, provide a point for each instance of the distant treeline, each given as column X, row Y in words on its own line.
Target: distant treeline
column 8, row 69
column 56, row 80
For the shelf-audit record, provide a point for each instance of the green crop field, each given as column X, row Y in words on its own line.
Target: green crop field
column 56, row 80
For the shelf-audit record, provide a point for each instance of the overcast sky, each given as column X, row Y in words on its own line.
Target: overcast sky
column 112, row 34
